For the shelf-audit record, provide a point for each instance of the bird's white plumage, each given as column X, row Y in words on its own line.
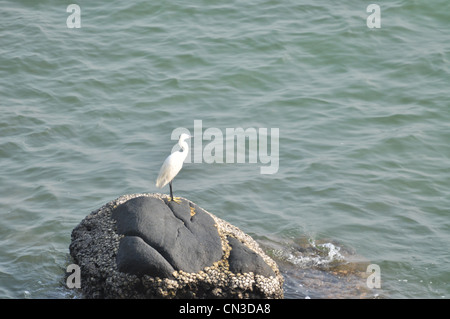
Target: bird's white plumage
column 173, row 163
column 170, row 168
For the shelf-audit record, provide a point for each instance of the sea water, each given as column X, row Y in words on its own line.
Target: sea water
column 89, row 100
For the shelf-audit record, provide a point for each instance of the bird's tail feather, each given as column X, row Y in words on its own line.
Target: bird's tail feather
column 161, row 182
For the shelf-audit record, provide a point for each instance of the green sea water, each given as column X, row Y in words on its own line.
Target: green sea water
column 363, row 117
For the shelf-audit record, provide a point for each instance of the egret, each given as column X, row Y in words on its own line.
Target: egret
column 173, row 164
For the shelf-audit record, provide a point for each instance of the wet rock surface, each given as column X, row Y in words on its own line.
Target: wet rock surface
column 144, row 246
column 165, row 236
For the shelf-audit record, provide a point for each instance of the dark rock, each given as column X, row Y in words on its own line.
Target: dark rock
column 185, row 242
column 244, row 260
column 144, row 246
column 138, row 258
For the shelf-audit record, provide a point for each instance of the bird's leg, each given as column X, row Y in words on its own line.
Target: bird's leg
column 176, row 199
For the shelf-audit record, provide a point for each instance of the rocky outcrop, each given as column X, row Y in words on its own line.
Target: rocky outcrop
column 145, row 246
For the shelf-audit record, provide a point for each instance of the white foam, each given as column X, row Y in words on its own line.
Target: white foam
column 317, row 257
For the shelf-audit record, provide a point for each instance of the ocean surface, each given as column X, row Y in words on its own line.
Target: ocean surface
column 363, row 115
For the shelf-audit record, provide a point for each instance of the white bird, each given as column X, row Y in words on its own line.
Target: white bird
column 173, row 164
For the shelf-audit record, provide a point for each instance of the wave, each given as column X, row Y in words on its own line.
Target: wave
column 314, row 268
